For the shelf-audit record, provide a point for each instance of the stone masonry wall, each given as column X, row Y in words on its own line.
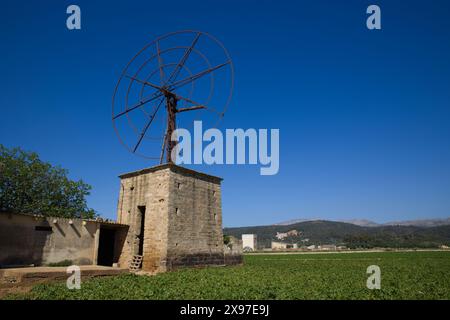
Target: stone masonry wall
column 183, row 217
column 150, row 191
column 195, row 220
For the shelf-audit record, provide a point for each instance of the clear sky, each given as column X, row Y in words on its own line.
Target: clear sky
column 363, row 115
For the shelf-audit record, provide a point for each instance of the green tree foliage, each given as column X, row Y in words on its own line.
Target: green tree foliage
column 226, row 239
column 29, row 185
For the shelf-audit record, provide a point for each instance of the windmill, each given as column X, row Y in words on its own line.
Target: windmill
column 157, row 88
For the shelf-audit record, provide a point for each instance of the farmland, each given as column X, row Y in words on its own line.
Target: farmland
column 404, row 275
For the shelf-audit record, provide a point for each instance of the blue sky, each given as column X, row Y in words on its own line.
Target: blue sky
column 363, row 115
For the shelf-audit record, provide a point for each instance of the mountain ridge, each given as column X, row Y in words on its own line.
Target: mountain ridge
column 433, row 222
column 319, row 232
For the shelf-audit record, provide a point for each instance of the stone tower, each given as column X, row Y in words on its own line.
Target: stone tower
column 175, row 218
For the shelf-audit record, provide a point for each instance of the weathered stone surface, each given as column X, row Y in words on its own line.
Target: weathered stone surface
column 233, row 259
column 183, row 217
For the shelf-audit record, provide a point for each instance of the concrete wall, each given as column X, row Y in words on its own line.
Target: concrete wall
column 183, row 217
column 26, row 239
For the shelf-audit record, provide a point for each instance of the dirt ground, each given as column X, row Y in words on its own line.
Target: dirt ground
column 20, row 280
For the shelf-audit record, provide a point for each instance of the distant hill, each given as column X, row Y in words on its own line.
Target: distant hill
column 421, row 223
column 368, row 223
column 362, row 222
column 349, row 234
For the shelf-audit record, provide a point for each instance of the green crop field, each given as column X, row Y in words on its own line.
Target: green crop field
column 404, row 275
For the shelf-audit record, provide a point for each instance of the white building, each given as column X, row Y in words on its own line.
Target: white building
column 249, row 240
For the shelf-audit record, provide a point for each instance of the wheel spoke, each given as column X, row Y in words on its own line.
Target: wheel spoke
column 147, row 126
column 162, row 76
column 154, row 96
column 163, row 148
column 189, row 79
column 144, row 82
column 183, row 60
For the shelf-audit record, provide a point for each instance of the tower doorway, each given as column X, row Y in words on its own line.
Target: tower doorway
column 140, row 229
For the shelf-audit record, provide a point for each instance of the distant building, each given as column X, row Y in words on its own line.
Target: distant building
column 249, row 241
column 311, row 247
column 277, row 245
column 327, row 247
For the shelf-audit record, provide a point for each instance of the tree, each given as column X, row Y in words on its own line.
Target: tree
column 29, row 185
column 226, row 239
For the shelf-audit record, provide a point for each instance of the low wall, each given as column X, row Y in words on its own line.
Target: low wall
column 27, row 239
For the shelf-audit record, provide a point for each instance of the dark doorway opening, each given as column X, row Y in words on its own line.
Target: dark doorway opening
column 106, row 247
column 141, row 229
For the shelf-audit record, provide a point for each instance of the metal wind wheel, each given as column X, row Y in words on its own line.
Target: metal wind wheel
column 177, row 78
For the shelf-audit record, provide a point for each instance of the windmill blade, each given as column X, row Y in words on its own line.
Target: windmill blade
column 147, row 126
column 183, row 60
column 163, row 148
column 154, row 96
column 189, row 79
column 162, row 75
column 144, row 82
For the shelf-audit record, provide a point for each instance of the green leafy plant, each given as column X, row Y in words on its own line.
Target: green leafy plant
column 404, row 275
